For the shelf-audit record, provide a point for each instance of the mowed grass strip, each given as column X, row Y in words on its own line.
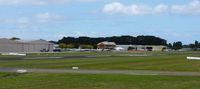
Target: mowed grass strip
column 172, row 62
column 92, row 81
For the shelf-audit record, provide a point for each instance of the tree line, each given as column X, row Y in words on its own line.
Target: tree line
column 179, row 45
column 89, row 42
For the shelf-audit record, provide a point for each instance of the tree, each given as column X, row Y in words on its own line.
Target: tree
column 192, row 46
column 131, row 48
column 177, row 45
column 120, row 40
column 14, row 38
column 70, row 46
column 86, row 46
column 54, row 42
column 196, row 44
column 62, row 45
column 170, row 46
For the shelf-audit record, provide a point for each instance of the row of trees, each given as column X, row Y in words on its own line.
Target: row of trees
column 63, row 45
column 179, row 45
column 90, row 43
column 195, row 46
column 119, row 40
column 176, row 45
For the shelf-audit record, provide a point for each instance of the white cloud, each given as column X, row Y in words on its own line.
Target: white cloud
column 134, row 9
column 162, row 8
column 20, row 20
column 86, row 0
column 37, row 18
column 191, row 8
column 34, row 21
column 22, row 2
column 115, row 7
column 82, row 33
column 47, row 17
column 39, row 2
column 23, row 23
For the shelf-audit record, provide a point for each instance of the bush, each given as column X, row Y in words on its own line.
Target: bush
column 86, row 46
column 63, row 45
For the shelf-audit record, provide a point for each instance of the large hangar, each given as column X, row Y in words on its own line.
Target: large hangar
column 7, row 45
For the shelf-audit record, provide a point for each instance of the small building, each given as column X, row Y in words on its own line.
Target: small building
column 7, row 45
column 143, row 47
column 106, row 45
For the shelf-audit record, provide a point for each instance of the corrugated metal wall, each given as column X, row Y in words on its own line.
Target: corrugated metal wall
column 33, row 46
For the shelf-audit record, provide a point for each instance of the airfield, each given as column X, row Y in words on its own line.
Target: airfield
column 101, row 70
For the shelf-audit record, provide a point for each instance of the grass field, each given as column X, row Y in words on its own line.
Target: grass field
column 161, row 61
column 86, row 81
column 175, row 61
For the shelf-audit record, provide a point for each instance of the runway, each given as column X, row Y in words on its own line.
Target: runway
column 126, row 72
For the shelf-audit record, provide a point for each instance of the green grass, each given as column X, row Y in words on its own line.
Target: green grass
column 108, row 53
column 160, row 61
column 163, row 62
column 79, row 53
column 86, row 81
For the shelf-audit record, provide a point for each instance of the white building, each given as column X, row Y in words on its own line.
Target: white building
column 7, row 45
column 142, row 47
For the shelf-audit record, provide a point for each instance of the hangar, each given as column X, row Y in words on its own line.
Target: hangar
column 143, row 47
column 7, row 45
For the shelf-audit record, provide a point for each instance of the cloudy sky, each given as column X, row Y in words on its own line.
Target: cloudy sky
column 174, row 20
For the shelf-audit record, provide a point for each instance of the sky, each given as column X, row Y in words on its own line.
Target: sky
column 173, row 20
